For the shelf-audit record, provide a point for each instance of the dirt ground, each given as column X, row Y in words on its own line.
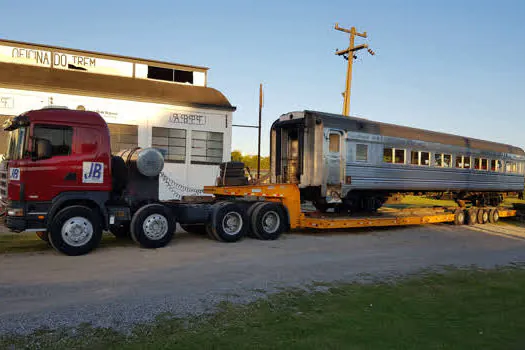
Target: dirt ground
column 119, row 286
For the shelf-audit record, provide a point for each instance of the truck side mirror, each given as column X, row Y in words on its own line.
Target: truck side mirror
column 43, row 149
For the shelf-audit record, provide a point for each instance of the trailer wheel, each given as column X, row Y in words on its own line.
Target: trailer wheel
column 459, row 217
column 198, row 229
column 228, row 222
column 249, row 215
column 121, row 231
column 75, row 230
column 472, row 216
column 268, row 221
column 483, row 216
column 152, row 226
column 493, row 216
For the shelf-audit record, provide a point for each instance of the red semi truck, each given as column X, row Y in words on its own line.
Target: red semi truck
column 60, row 179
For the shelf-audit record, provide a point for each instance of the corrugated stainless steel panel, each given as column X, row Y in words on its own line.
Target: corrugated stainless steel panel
column 419, row 178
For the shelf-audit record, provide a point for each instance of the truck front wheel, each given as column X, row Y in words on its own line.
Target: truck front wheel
column 75, row 230
column 153, row 226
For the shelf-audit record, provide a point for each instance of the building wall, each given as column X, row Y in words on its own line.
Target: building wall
column 145, row 116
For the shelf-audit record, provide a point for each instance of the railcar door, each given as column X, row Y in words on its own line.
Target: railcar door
column 334, row 161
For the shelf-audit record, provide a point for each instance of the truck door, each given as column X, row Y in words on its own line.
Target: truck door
column 48, row 177
column 334, row 160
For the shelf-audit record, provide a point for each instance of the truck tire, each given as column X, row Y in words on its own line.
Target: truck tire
column 198, row 229
column 153, row 226
column 228, row 222
column 268, row 221
column 75, row 230
column 121, row 231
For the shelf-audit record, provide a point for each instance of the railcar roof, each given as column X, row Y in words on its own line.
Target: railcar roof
column 392, row 130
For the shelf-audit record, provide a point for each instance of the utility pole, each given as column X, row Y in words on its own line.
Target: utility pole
column 348, row 54
column 259, row 139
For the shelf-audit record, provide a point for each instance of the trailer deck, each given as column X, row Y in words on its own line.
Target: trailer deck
column 289, row 196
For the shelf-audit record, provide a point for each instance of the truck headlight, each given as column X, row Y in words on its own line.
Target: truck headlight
column 15, row 212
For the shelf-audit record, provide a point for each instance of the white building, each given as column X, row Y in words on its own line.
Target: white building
column 144, row 102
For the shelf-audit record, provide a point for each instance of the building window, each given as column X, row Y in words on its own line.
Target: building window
column 60, row 137
column 123, row 137
column 361, row 153
column 206, row 147
column 171, row 142
column 334, row 143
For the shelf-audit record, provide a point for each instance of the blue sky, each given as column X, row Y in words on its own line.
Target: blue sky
column 452, row 66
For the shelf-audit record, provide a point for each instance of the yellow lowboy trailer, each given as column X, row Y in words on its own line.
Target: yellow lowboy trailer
column 288, row 195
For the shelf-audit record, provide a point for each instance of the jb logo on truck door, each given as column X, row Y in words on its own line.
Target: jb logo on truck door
column 92, row 172
column 14, row 174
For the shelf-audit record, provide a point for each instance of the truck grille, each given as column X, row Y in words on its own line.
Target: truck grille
column 3, row 181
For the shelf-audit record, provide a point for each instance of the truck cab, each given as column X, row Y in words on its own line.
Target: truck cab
column 60, row 179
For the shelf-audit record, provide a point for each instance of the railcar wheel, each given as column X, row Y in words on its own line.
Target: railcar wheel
column 268, row 221
column 459, row 217
column 153, row 226
column 472, row 216
column 494, row 216
column 228, row 222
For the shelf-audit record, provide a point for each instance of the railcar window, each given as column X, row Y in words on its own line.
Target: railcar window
column 495, row 165
column 334, row 143
column 467, row 162
column 477, row 162
column 414, row 157
column 425, row 158
column 387, row 155
column 438, row 159
column 206, row 147
column 459, row 161
column 447, row 161
column 499, row 165
column 361, row 153
column 484, row 164
column 399, row 156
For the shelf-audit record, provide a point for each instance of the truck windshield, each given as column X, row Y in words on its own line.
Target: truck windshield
column 16, row 143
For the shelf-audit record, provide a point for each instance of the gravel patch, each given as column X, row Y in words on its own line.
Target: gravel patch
column 121, row 286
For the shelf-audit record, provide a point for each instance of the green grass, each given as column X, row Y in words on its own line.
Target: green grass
column 29, row 242
column 457, row 309
column 420, row 201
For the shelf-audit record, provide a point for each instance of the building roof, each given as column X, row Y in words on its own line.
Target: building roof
column 103, row 55
column 18, row 76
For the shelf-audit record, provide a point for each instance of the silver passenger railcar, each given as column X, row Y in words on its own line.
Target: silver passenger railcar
column 356, row 163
